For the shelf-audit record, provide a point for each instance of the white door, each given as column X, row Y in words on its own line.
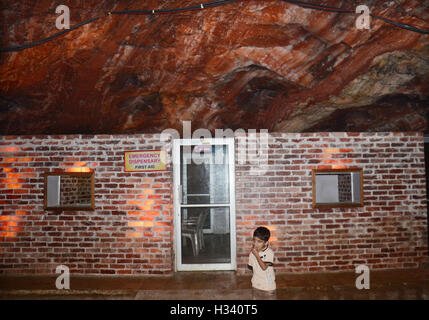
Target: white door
column 204, row 204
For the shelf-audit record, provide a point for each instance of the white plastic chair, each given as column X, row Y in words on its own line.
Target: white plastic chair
column 193, row 230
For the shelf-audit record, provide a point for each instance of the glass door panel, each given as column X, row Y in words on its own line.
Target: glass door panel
column 204, row 176
column 204, row 206
column 202, row 248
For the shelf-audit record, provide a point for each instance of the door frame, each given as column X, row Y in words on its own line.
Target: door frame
column 177, row 239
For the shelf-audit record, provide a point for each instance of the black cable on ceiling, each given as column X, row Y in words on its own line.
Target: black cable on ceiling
column 176, row 10
column 36, row 43
column 307, row 5
column 401, row 25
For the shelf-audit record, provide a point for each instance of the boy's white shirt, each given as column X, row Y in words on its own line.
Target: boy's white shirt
column 263, row 279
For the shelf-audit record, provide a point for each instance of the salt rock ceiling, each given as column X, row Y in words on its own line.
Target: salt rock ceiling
column 250, row 64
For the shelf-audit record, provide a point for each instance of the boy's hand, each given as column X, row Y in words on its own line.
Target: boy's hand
column 255, row 252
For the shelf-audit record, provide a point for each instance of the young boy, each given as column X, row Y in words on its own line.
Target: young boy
column 261, row 260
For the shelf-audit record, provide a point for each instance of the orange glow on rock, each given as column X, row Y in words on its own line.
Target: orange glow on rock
column 324, row 167
column 78, row 169
column 324, row 156
column 162, row 223
column 134, row 202
column 331, row 150
column 330, row 161
column 14, row 175
column 9, row 181
column 338, row 166
column 8, row 224
column 7, row 234
column 146, row 218
column 135, row 224
column 271, row 228
column 134, row 212
column 144, row 207
column 244, row 223
column 134, row 234
column 9, row 149
column 152, row 213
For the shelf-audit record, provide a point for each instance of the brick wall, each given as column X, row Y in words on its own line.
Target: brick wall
column 390, row 231
column 130, row 230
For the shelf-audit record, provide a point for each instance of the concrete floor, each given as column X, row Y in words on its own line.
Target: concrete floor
column 386, row 284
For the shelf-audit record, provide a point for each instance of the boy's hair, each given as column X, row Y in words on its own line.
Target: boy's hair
column 262, row 233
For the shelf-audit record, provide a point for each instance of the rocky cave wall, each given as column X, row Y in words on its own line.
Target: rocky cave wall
column 250, row 64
